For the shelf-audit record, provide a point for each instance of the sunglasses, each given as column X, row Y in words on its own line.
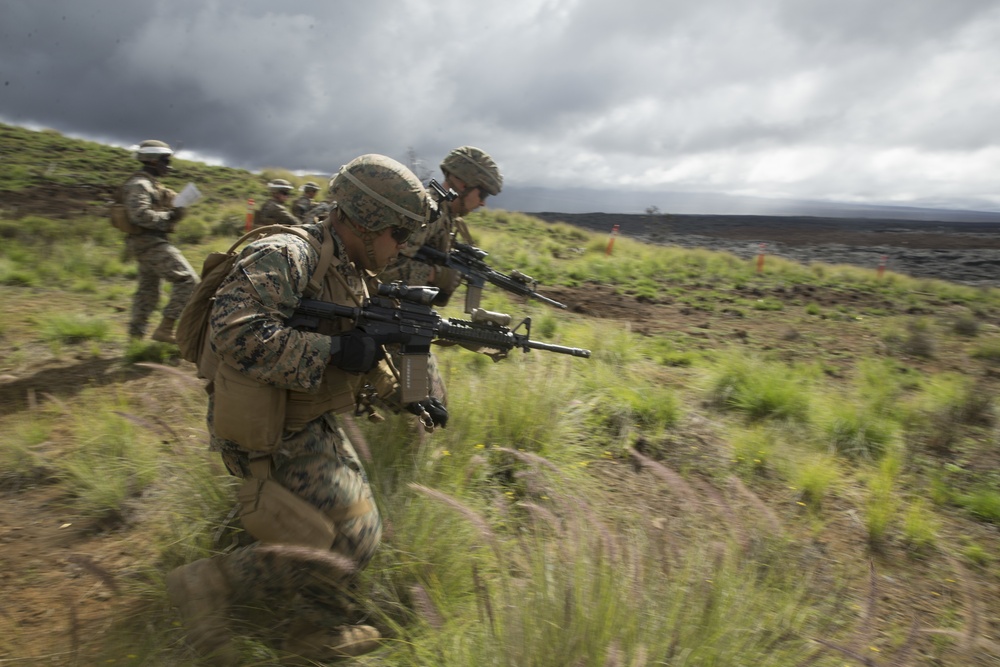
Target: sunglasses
column 399, row 234
column 483, row 194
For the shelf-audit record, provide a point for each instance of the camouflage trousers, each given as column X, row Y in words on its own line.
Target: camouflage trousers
column 158, row 261
column 318, row 464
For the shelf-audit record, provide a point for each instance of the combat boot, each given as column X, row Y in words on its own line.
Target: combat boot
column 165, row 332
column 202, row 594
column 307, row 642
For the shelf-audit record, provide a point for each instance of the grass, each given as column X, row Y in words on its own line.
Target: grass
column 675, row 499
column 73, row 328
column 759, row 388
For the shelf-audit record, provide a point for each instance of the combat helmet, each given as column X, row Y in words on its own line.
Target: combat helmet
column 475, row 167
column 376, row 192
column 152, row 150
column 309, row 185
column 279, row 185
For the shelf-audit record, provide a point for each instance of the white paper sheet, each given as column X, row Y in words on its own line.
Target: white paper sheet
column 189, row 195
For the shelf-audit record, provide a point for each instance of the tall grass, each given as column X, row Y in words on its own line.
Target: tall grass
column 545, row 525
column 758, row 388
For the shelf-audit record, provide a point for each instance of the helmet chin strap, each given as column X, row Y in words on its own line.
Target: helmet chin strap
column 368, row 240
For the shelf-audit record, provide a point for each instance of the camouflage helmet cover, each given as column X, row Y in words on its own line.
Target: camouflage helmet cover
column 475, row 167
column 151, row 150
column 377, row 192
column 309, row 185
column 279, row 185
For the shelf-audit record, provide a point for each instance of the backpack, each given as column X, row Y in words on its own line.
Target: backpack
column 119, row 216
column 192, row 327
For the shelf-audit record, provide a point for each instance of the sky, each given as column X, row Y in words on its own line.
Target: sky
column 863, row 101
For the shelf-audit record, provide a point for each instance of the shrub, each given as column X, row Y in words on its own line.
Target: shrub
column 856, row 431
column 815, row 478
column 966, row 325
column 983, row 503
column 752, row 450
column 759, row 389
column 191, row 230
column 882, row 504
column 988, row 351
column 920, row 526
column 74, row 328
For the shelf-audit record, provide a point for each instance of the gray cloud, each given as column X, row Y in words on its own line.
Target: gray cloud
column 852, row 100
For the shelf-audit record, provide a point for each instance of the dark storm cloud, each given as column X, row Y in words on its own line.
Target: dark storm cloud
column 776, row 97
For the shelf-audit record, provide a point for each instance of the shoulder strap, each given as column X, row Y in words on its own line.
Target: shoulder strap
column 462, row 230
column 325, row 251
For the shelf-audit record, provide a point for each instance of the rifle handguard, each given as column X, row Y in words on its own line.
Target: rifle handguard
column 489, row 317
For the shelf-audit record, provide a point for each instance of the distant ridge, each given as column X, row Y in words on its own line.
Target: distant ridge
column 583, row 200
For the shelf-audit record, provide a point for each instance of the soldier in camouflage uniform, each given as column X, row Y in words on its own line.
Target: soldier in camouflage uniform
column 273, row 211
column 273, row 417
column 302, row 205
column 473, row 174
column 152, row 217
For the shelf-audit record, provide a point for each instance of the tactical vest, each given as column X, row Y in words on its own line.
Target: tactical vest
column 119, row 214
column 255, row 415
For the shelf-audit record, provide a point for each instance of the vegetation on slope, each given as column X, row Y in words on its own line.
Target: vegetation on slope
column 782, row 468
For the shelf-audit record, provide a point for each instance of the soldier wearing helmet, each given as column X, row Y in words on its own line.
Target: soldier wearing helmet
column 274, row 416
column 273, row 211
column 474, row 176
column 302, row 205
column 151, row 217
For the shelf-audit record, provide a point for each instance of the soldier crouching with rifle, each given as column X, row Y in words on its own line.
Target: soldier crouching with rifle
column 273, row 407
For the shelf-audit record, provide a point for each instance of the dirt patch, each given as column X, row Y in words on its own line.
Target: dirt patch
column 56, row 201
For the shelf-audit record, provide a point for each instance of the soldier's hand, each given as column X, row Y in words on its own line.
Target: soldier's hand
column 433, row 408
column 177, row 214
column 447, row 280
column 355, row 352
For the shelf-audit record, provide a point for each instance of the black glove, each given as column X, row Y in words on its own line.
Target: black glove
column 433, row 407
column 355, row 352
column 176, row 214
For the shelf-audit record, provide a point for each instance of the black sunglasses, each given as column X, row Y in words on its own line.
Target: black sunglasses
column 399, row 234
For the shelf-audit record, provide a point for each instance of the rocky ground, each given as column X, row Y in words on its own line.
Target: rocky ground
column 966, row 253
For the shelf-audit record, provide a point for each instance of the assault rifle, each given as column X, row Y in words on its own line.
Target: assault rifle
column 404, row 315
column 468, row 260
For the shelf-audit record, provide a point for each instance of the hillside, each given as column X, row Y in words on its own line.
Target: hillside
column 775, row 465
column 46, row 174
column 964, row 252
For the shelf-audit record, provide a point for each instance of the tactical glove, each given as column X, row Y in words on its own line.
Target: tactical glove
column 433, row 408
column 176, row 214
column 355, row 352
column 447, row 281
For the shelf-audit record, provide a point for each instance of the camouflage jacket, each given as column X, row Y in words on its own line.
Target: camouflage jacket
column 148, row 204
column 273, row 213
column 438, row 235
column 248, row 332
column 301, row 207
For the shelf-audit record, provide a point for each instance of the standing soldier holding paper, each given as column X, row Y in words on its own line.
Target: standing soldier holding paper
column 149, row 216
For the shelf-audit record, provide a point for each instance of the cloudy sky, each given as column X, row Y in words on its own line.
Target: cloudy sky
column 876, row 101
